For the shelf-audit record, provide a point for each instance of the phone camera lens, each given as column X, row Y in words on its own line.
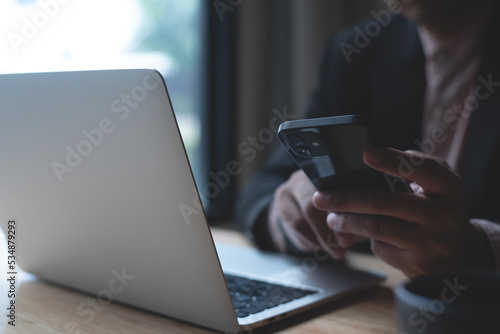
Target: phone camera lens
column 302, row 151
column 294, row 140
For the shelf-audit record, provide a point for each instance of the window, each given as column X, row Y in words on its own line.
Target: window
column 57, row 35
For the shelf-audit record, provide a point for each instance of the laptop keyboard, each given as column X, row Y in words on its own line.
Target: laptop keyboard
column 251, row 296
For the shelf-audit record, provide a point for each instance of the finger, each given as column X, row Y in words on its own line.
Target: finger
column 336, row 251
column 296, row 242
column 414, row 207
column 432, row 176
column 442, row 161
column 324, row 236
column 293, row 224
column 346, row 240
column 316, row 220
column 301, row 193
column 393, row 231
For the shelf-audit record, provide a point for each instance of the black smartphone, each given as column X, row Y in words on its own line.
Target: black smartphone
column 330, row 151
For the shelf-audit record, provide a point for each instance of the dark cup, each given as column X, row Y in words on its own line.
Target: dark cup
column 458, row 303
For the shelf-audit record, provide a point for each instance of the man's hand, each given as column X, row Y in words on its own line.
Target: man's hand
column 418, row 232
column 295, row 224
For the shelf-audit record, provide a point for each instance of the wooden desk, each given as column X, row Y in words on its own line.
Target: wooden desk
column 45, row 308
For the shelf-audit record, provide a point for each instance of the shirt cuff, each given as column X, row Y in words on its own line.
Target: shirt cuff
column 492, row 231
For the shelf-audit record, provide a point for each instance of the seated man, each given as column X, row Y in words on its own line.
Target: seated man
column 428, row 82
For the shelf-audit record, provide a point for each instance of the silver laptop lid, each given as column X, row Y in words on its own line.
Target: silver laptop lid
column 101, row 206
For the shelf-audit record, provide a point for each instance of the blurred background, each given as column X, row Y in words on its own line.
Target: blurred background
column 231, row 66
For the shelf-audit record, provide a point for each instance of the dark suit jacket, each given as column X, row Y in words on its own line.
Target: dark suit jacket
column 385, row 82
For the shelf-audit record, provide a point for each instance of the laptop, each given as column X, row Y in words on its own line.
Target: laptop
column 95, row 177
